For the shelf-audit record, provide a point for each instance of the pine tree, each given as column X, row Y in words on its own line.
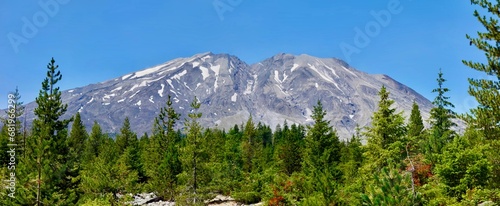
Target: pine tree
column 322, row 155
column 387, row 125
column 48, row 145
column 415, row 125
column 11, row 132
column 192, row 152
column 441, row 117
column 386, row 137
column 126, row 137
column 486, row 116
column 93, row 144
column 162, row 159
column 415, row 130
column 75, row 142
column 289, row 150
column 128, row 165
column 100, row 176
column 248, row 145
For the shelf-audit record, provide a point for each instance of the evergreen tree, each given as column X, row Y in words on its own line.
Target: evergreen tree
column 232, row 165
column 386, row 137
column 100, row 175
column 415, row 130
column 322, row 155
column 248, row 145
column 441, row 117
column 486, row 116
column 49, row 152
column 387, row 125
column 415, row 125
column 263, row 148
column 75, row 142
column 191, row 155
column 162, row 159
column 11, row 132
column 93, row 144
column 289, row 150
column 77, row 138
column 128, row 165
column 126, row 137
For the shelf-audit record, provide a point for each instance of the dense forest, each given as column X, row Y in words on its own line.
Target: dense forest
column 395, row 161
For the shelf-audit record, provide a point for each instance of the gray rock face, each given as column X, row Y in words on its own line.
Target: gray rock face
column 283, row 87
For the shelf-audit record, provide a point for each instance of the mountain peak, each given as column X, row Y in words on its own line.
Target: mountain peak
column 282, row 87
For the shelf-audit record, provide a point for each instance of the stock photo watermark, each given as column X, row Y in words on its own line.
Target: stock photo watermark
column 11, row 145
column 363, row 36
column 31, row 26
column 223, row 6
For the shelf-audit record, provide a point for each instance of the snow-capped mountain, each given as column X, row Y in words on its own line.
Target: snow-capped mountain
column 282, row 87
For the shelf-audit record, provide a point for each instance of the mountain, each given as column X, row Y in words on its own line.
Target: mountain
column 283, row 87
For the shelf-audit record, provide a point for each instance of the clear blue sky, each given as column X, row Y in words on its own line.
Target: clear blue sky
column 94, row 41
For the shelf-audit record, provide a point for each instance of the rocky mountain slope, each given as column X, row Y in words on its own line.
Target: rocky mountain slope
column 283, row 87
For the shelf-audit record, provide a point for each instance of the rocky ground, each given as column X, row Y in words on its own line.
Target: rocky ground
column 150, row 199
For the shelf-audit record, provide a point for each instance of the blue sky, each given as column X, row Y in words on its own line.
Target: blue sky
column 94, row 41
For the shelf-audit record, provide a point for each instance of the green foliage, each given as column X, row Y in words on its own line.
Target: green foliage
column 441, row 119
column 486, row 116
column 161, row 154
column 322, row 156
column 415, row 125
column 289, row 149
column 193, row 157
column 99, row 175
column 390, row 188
column 386, row 137
column 15, row 135
column 464, row 167
column 47, row 150
column 387, row 125
column 93, row 145
column 248, row 145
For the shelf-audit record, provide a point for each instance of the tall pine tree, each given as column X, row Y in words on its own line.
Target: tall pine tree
column 486, row 116
column 322, row 156
column 191, row 155
column 49, row 150
column 441, row 117
column 162, row 156
column 387, row 125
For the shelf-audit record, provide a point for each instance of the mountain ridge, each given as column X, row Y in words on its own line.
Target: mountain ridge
column 281, row 87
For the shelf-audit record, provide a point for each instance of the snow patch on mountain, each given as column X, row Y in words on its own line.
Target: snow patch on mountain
column 126, row 76
column 215, row 69
column 148, row 71
column 204, row 72
column 107, row 96
column 160, row 91
column 349, row 71
column 134, row 94
column 91, row 100
column 331, row 69
column 179, row 75
column 116, row 89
